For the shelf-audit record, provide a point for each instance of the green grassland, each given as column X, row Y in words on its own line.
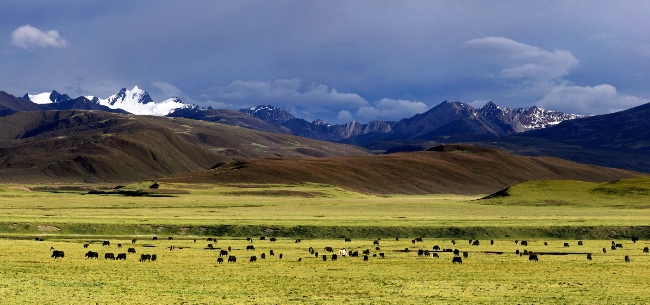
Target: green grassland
column 561, row 209
column 191, row 275
column 624, row 194
column 66, row 217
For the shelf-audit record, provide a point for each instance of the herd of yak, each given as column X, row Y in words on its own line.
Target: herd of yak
column 343, row 251
column 108, row 255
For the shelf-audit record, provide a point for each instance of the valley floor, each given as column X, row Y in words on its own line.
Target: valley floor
column 190, row 273
column 38, row 218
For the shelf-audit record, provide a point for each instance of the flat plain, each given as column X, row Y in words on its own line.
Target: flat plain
column 66, row 217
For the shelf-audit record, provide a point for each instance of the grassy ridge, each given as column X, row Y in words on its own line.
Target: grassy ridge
column 553, row 209
column 454, row 170
column 626, row 194
column 28, row 230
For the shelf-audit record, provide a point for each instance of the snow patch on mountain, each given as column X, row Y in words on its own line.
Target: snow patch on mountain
column 47, row 97
column 269, row 114
column 41, row 98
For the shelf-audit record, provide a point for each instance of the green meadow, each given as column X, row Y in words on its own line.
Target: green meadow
column 555, row 212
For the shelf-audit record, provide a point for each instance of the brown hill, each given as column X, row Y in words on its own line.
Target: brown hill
column 75, row 146
column 228, row 117
column 17, row 104
column 452, row 169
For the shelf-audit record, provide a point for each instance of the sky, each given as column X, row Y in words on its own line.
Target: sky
column 334, row 60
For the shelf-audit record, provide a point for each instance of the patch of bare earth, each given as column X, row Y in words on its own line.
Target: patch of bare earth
column 20, row 188
column 277, row 193
column 47, row 228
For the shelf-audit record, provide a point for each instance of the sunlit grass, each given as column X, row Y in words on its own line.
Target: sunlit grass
column 68, row 218
column 192, row 275
column 531, row 204
column 627, row 193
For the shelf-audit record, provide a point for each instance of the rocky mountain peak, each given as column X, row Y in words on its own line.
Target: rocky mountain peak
column 56, row 97
column 269, row 114
column 124, row 96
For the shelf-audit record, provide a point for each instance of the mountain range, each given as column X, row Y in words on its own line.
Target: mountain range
column 135, row 101
column 98, row 146
column 317, row 129
column 620, row 139
column 442, row 120
column 56, row 127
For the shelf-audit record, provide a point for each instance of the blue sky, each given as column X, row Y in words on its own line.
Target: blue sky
column 334, row 60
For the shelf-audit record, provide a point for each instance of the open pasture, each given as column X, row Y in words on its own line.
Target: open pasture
column 66, row 218
column 190, row 273
column 183, row 205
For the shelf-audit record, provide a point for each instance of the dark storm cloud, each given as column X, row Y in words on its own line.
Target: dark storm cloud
column 336, row 60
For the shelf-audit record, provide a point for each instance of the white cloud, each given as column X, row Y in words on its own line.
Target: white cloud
column 344, row 116
column 532, row 73
column 478, row 103
column 167, row 89
column 588, row 100
column 219, row 105
column 29, row 37
column 284, row 92
column 170, row 91
column 523, row 61
column 388, row 109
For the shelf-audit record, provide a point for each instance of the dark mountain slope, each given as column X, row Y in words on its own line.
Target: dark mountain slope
column 629, row 129
column 81, row 103
column 452, row 169
column 17, row 104
column 61, row 102
column 453, row 118
column 228, row 117
column 77, row 146
column 620, row 140
column 318, row 129
column 269, row 114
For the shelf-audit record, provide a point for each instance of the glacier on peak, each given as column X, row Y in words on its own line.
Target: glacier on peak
column 41, row 98
column 47, row 97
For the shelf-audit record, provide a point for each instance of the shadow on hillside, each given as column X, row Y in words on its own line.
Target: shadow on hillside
column 129, row 193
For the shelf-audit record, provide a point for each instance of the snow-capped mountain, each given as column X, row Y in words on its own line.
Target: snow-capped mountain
column 524, row 119
column 138, row 101
column 135, row 101
column 444, row 119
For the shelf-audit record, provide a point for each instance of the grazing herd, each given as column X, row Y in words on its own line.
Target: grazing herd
column 148, row 257
column 457, row 258
column 108, row 255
